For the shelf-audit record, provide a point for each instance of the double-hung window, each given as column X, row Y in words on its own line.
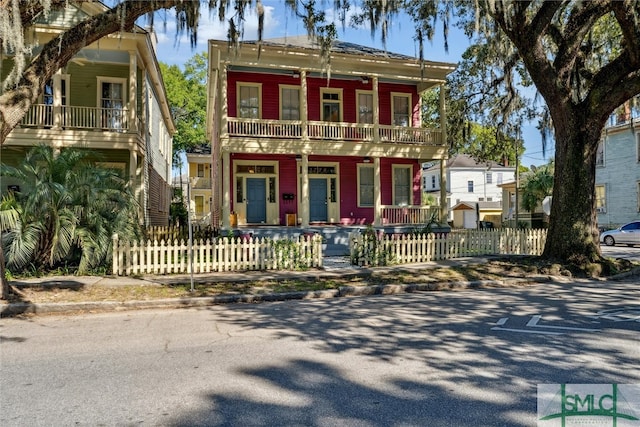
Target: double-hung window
column 601, row 199
column 289, row 103
column 249, row 96
column 600, row 153
column 365, row 186
column 365, row 106
column 402, row 185
column 400, row 108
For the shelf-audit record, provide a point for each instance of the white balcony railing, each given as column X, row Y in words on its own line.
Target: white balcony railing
column 408, row 214
column 75, row 117
column 340, row 131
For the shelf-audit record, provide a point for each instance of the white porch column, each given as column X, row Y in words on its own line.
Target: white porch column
column 304, row 107
column 57, row 100
column 226, row 191
column 377, row 197
column 133, row 91
column 224, row 106
column 444, row 208
column 376, row 110
column 137, row 184
column 303, row 199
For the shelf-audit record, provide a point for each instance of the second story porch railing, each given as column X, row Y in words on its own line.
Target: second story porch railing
column 201, row 183
column 77, row 117
column 338, row 131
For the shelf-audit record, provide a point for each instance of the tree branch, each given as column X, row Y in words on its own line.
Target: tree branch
column 578, row 25
column 627, row 14
column 57, row 52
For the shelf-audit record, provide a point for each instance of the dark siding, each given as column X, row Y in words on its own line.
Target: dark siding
column 158, row 202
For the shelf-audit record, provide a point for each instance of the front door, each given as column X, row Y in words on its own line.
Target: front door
column 256, row 200
column 318, row 200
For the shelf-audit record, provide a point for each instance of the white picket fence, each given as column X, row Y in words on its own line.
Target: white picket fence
column 373, row 249
column 220, row 254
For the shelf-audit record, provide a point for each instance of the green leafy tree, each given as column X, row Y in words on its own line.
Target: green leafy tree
column 23, row 85
column 581, row 57
column 67, row 209
column 187, row 95
column 537, row 185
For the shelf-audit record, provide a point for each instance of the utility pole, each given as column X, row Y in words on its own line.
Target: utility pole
column 517, row 176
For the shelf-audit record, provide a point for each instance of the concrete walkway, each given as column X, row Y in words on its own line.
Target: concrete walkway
column 336, row 267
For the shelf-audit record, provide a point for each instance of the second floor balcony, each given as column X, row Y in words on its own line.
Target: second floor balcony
column 45, row 116
column 336, row 131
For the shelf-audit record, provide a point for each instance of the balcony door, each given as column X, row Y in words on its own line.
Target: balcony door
column 48, row 99
column 112, row 103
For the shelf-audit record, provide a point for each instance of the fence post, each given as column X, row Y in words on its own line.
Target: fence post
column 114, row 254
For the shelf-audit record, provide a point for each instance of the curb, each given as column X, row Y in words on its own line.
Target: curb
column 16, row 309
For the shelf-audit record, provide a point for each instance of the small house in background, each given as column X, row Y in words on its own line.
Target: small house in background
column 110, row 100
column 482, row 215
column 468, row 181
column 199, row 178
column 536, row 219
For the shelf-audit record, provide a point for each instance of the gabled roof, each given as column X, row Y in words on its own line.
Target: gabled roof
column 481, row 206
column 465, row 161
column 203, row 148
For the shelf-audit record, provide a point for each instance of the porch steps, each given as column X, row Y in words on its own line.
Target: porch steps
column 335, row 237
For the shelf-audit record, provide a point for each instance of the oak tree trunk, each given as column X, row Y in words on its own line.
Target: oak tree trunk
column 573, row 231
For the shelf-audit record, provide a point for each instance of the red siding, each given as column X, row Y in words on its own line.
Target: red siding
column 384, row 100
column 271, row 95
column 350, row 213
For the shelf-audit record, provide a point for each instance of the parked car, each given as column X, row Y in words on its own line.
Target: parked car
column 628, row 234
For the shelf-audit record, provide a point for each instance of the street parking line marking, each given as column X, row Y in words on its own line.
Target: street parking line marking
column 533, row 323
column 502, row 321
column 526, row 331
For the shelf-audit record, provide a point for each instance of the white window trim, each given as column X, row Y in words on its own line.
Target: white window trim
column 339, row 100
column 393, row 181
column 249, row 84
column 363, row 166
column 410, row 105
column 119, row 80
column 364, row 92
column 281, row 103
column 603, row 207
column 602, row 143
column 67, row 91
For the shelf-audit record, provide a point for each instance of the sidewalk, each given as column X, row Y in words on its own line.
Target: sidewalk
column 334, row 267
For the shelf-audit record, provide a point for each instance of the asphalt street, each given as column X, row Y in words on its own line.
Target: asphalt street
column 447, row 358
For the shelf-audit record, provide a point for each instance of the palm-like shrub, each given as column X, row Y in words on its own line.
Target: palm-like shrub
column 67, row 209
column 537, row 186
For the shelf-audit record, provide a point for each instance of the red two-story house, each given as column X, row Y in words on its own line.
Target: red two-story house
column 300, row 141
